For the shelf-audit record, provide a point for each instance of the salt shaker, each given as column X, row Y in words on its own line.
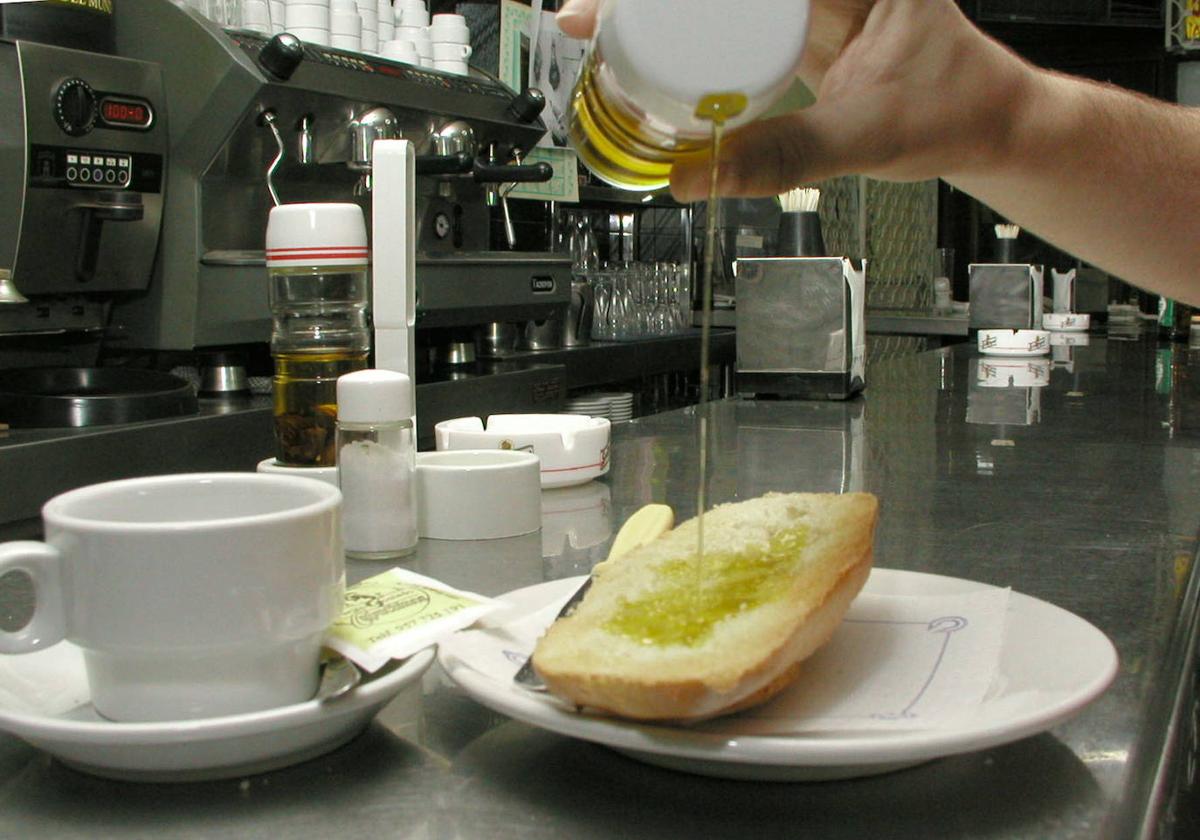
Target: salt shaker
column 376, row 454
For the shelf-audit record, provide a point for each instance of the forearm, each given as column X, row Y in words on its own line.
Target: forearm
column 1104, row 174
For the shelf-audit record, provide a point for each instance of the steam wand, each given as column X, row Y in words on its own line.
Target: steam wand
column 268, row 118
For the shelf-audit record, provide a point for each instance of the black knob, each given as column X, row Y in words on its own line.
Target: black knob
column 526, row 106
column 75, row 107
column 281, row 55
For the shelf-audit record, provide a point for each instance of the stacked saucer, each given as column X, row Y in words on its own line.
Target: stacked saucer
column 620, row 406
column 588, row 405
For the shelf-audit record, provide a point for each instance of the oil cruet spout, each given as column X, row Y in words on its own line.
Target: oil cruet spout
column 9, row 293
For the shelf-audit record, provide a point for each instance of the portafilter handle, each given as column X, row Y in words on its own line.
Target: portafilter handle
column 105, row 206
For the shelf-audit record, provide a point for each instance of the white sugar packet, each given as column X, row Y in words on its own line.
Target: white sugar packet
column 896, row 662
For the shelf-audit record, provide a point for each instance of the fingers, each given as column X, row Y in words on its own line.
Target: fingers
column 767, row 158
column 577, row 18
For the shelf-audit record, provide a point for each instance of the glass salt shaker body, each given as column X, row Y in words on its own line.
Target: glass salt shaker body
column 376, row 452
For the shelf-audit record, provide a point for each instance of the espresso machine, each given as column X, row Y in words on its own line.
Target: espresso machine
column 258, row 120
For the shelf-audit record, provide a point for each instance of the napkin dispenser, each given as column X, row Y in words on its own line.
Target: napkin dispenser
column 1006, row 296
column 801, row 332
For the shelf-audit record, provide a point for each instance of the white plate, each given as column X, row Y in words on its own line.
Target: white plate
column 1038, row 686
column 212, row 748
column 1014, row 353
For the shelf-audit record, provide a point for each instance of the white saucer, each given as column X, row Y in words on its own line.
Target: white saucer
column 212, row 748
column 1038, row 686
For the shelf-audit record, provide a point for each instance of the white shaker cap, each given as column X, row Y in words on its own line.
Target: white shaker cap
column 374, row 396
column 751, row 47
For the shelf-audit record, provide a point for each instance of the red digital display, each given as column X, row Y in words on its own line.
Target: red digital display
column 125, row 113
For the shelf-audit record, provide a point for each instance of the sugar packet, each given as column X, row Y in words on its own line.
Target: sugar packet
column 397, row 613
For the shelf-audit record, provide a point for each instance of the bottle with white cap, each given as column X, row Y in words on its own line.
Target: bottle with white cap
column 317, row 257
column 377, row 462
column 640, row 104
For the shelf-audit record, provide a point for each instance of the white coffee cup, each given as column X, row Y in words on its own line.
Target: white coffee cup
column 405, row 51
column 370, row 41
column 256, row 15
column 191, row 595
column 320, row 37
column 417, row 34
column 343, row 6
column 451, row 52
column 345, row 22
column 387, row 20
column 350, row 43
column 411, row 13
column 449, row 29
column 305, row 16
column 458, row 68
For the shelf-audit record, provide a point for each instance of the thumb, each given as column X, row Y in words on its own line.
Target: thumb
column 577, row 18
column 769, row 157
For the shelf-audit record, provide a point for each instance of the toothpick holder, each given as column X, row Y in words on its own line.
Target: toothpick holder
column 800, row 234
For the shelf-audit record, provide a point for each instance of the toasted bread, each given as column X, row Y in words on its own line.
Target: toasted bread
column 661, row 636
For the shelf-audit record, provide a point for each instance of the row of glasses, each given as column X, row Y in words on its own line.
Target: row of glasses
column 640, row 300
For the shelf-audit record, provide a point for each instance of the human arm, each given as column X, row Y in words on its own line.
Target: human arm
column 910, row 89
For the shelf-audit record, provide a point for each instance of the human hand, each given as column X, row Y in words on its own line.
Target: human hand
column 905, row 90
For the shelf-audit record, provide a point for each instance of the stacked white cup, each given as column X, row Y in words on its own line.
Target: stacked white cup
column 308, row 21
column 411, row 13
column 419, row 36
column 278, row 13
column 256, row 16
column 451, row 43
column 404, row 51
column 383, row 10
column 368, row 13
column 345, row 26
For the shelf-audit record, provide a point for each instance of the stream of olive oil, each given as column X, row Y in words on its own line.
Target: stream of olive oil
column 717, row 108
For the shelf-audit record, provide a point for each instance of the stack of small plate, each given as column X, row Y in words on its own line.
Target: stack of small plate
column 588, row 405
column 620, row 406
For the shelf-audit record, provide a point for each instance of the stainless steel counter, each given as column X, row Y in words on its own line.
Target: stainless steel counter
column 1084, row 492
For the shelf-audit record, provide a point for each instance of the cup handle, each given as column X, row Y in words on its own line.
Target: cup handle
column 42, row 563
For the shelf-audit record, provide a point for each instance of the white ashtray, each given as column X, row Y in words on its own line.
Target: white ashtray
column 1014, row 342
column 1066, row 321
column 572, row 449
column 477, row 494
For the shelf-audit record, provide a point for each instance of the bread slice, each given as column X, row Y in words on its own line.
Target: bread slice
column 660, row 636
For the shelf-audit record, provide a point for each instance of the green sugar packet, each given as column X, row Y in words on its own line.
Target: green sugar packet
column 395, row 614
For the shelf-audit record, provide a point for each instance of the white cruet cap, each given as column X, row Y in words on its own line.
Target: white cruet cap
column 316, row 234
column 374, row 396
column 752, row 47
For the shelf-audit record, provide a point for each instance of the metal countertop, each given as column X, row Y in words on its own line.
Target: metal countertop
column 1086, row 495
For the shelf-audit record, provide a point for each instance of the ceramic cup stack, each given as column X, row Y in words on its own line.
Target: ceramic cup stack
column 418, row 36
column 451, row 41
column 404, row 51
column 345, row 26
column 384, row 14
column 256, row 16
column 368, row 14
column 278, row 13
column 308, row 21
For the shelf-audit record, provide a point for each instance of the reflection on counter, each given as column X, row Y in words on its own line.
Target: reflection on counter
column 1006, row 392
column 824, row 445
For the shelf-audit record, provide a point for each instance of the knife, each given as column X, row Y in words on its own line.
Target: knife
column 647, row 524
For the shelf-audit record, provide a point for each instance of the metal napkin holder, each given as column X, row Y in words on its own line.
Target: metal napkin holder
column 1006, row 296
column 801, row 330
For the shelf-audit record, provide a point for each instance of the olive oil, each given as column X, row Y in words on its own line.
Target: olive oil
column 717, row 108
column 305, row 406
column 735, row 582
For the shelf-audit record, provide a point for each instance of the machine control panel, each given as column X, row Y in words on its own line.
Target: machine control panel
column 63, row 166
